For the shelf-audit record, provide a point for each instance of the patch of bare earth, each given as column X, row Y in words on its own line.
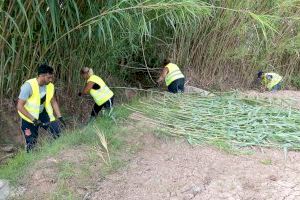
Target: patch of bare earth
column 72, row 173
column 292, row 96
column 168, row 169
column 176, row 170
column 63, row 176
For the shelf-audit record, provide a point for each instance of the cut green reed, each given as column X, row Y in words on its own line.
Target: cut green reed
column 233, row 119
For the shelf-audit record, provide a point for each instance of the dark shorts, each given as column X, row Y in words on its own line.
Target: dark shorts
column 177, row 86
column 107, row 105
column 276, row 87
column 31, row 132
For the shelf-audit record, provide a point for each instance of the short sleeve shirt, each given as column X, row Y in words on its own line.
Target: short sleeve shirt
column 26, row 92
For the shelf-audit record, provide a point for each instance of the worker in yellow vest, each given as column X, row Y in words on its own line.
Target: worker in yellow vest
column 173, row 77
column 97, row 88
column 37, row 107
column 271, row 81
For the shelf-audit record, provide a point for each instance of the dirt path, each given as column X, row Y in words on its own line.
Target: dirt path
column 176, row 170
column 292, row 96
column 283, row 94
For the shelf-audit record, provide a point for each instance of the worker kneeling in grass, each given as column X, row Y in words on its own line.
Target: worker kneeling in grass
column 271, row 81
column 173, row 77
column 36, row 104
column 100, row 92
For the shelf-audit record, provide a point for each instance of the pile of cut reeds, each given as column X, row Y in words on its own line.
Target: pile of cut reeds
column 235, row 120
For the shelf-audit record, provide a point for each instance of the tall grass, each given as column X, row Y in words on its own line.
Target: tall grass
column 80, row 33
column 218, row 40
column 239, row 38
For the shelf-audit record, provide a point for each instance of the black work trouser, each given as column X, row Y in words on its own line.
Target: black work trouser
column 177, row 86
column 107, row 105
column 31, row 131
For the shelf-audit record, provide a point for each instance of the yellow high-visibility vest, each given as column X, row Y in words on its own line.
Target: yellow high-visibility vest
column 33, row 103
column 101, row 95
column 276, row 78
column 173, row 74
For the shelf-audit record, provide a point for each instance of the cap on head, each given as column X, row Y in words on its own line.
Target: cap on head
column 166, row 61
column 259, row 73
column 45, row 69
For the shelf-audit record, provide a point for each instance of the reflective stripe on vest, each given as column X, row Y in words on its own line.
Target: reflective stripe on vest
column 276, row 78
column 32, row 104
column 101, row 95
column 173, row 74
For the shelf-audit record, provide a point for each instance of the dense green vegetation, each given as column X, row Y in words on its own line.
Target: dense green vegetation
column 219, row 43
column 218, row 40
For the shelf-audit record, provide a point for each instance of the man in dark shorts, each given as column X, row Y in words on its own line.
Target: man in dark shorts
column 173, row 77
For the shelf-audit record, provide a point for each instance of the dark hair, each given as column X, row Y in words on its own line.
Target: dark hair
column 166, row 61
column 259, row 74
column 45, row 69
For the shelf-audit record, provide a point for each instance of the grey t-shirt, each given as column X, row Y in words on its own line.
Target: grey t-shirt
column 26, row 92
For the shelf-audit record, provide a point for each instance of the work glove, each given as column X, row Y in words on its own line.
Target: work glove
column 79, row 94
column 37, row 122
column 62, row 121
column 96, row 86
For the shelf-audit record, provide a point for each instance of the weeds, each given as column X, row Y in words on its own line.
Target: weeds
column 296, row 81
column 16, row 168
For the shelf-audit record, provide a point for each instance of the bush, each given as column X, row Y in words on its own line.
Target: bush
column 295, row 81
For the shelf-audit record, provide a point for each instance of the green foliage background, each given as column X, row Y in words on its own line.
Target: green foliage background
column 216, row 41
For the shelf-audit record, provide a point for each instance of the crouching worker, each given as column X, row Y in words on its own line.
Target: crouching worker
column 173, row 77
column 270, row 81
column 37, row 106
column 100, row 92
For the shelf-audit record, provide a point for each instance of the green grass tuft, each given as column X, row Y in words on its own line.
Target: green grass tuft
column 15, row 169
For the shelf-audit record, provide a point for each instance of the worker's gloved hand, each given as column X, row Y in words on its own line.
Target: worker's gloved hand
column 79, row 94
column 37, row 122
column 62, row 121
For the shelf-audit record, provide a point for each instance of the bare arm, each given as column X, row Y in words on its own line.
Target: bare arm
column 22, row 109
column 163, row 75
column 88, row 87
column 55, row 107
